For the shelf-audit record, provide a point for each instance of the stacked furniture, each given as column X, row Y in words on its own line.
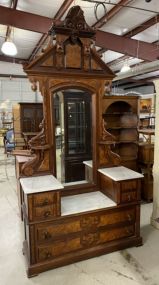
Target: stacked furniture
column 68, row 223
column 26, row 120
column 146, row 160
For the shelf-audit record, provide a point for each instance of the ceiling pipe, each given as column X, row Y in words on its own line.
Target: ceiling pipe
column 146, row 68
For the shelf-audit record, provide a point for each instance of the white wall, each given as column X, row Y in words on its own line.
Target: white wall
column 17, row 90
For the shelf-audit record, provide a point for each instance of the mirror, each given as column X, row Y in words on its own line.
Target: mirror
column 73, row 135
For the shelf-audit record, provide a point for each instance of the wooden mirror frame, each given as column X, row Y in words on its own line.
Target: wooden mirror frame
column 61, row 67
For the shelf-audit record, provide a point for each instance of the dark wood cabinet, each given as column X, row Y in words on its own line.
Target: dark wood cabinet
column 31, row 115
column 26, row 119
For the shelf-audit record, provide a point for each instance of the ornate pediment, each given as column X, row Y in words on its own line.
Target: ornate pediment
column 71, row 51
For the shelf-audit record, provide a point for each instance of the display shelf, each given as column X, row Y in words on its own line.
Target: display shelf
column 121, row 121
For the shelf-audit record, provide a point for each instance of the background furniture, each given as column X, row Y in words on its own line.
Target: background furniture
column 9, row 142
column 146, row 159
column 26, row 118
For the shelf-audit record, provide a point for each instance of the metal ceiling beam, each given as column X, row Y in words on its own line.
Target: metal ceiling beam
column 142, row 27
column 136, row 31
column 134, row 48
column 24, row 20
column 11, row 59
column 58, row 15
column 36, row 23
column 103, row 20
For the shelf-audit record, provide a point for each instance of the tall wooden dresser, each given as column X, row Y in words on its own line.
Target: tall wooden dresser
column 65, row 223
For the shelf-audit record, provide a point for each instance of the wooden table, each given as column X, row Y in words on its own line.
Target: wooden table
column 147, row 132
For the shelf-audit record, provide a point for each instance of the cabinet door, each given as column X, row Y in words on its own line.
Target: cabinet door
column 77, row 140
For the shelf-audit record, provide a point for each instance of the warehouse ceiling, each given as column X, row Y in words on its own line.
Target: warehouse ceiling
column 126, row 31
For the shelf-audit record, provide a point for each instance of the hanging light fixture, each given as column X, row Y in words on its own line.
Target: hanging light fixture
column 125, row 68
column 8, row 47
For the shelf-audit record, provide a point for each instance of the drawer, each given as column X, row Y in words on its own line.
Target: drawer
column 82, row 241
column 130, row 185
column 44, row 233
column 42, row 205
column 84, row 223
column 44, row 212
column 43, row 199
column 128, row 196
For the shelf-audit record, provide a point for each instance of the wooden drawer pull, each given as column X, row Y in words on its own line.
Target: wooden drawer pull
column 45, row 202
column 48, row 254
column 130, row 218
column 47, row 235
column 129, row 197
column 129, row 231
column 47, row 214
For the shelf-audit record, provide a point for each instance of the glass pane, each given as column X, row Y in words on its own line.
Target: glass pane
column 76, row 127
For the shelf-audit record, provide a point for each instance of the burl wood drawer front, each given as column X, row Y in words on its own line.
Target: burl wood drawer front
column 84, row 240
column 84, row 223
column 44, row 212
column 128, row 196
column 45, row 233
column 44, row 199
column 129, row 185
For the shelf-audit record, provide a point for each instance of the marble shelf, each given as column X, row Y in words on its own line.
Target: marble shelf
column 22, row 159
column 85, row 202
column 36, row 184
column 120, row 173
column 88, row 163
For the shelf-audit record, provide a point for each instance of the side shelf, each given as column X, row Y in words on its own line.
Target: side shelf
column 120, row 114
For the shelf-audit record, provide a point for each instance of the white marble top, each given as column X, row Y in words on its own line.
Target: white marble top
column 75, row 183
column 38, row 184
column 88, row 163
column 85, row 202
column 120, row 173
column 21, row 159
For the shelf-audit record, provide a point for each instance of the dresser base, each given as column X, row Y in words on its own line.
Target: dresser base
column 80, row 255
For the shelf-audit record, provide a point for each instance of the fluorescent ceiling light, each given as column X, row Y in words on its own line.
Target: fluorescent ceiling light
column 9, row 48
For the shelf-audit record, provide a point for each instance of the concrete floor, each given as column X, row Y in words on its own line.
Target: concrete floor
column 132, row 266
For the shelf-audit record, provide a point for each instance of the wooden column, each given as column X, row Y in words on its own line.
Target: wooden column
column 155, row 212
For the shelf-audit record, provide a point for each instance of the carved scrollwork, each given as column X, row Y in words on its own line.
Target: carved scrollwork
column 106, row 136
column 38, row 147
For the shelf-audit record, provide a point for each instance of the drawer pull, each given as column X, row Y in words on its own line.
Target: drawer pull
column 129, row 231
column 129, row 217
column 47, row 235
column 48, row 254
column 47, row 214
column 129, row 197
column 45, row 202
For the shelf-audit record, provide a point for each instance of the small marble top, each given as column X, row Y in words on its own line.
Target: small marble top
column 21, row 159
column 88, row 163
column 38, row 184
column 120, row 173
column 85, row 202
